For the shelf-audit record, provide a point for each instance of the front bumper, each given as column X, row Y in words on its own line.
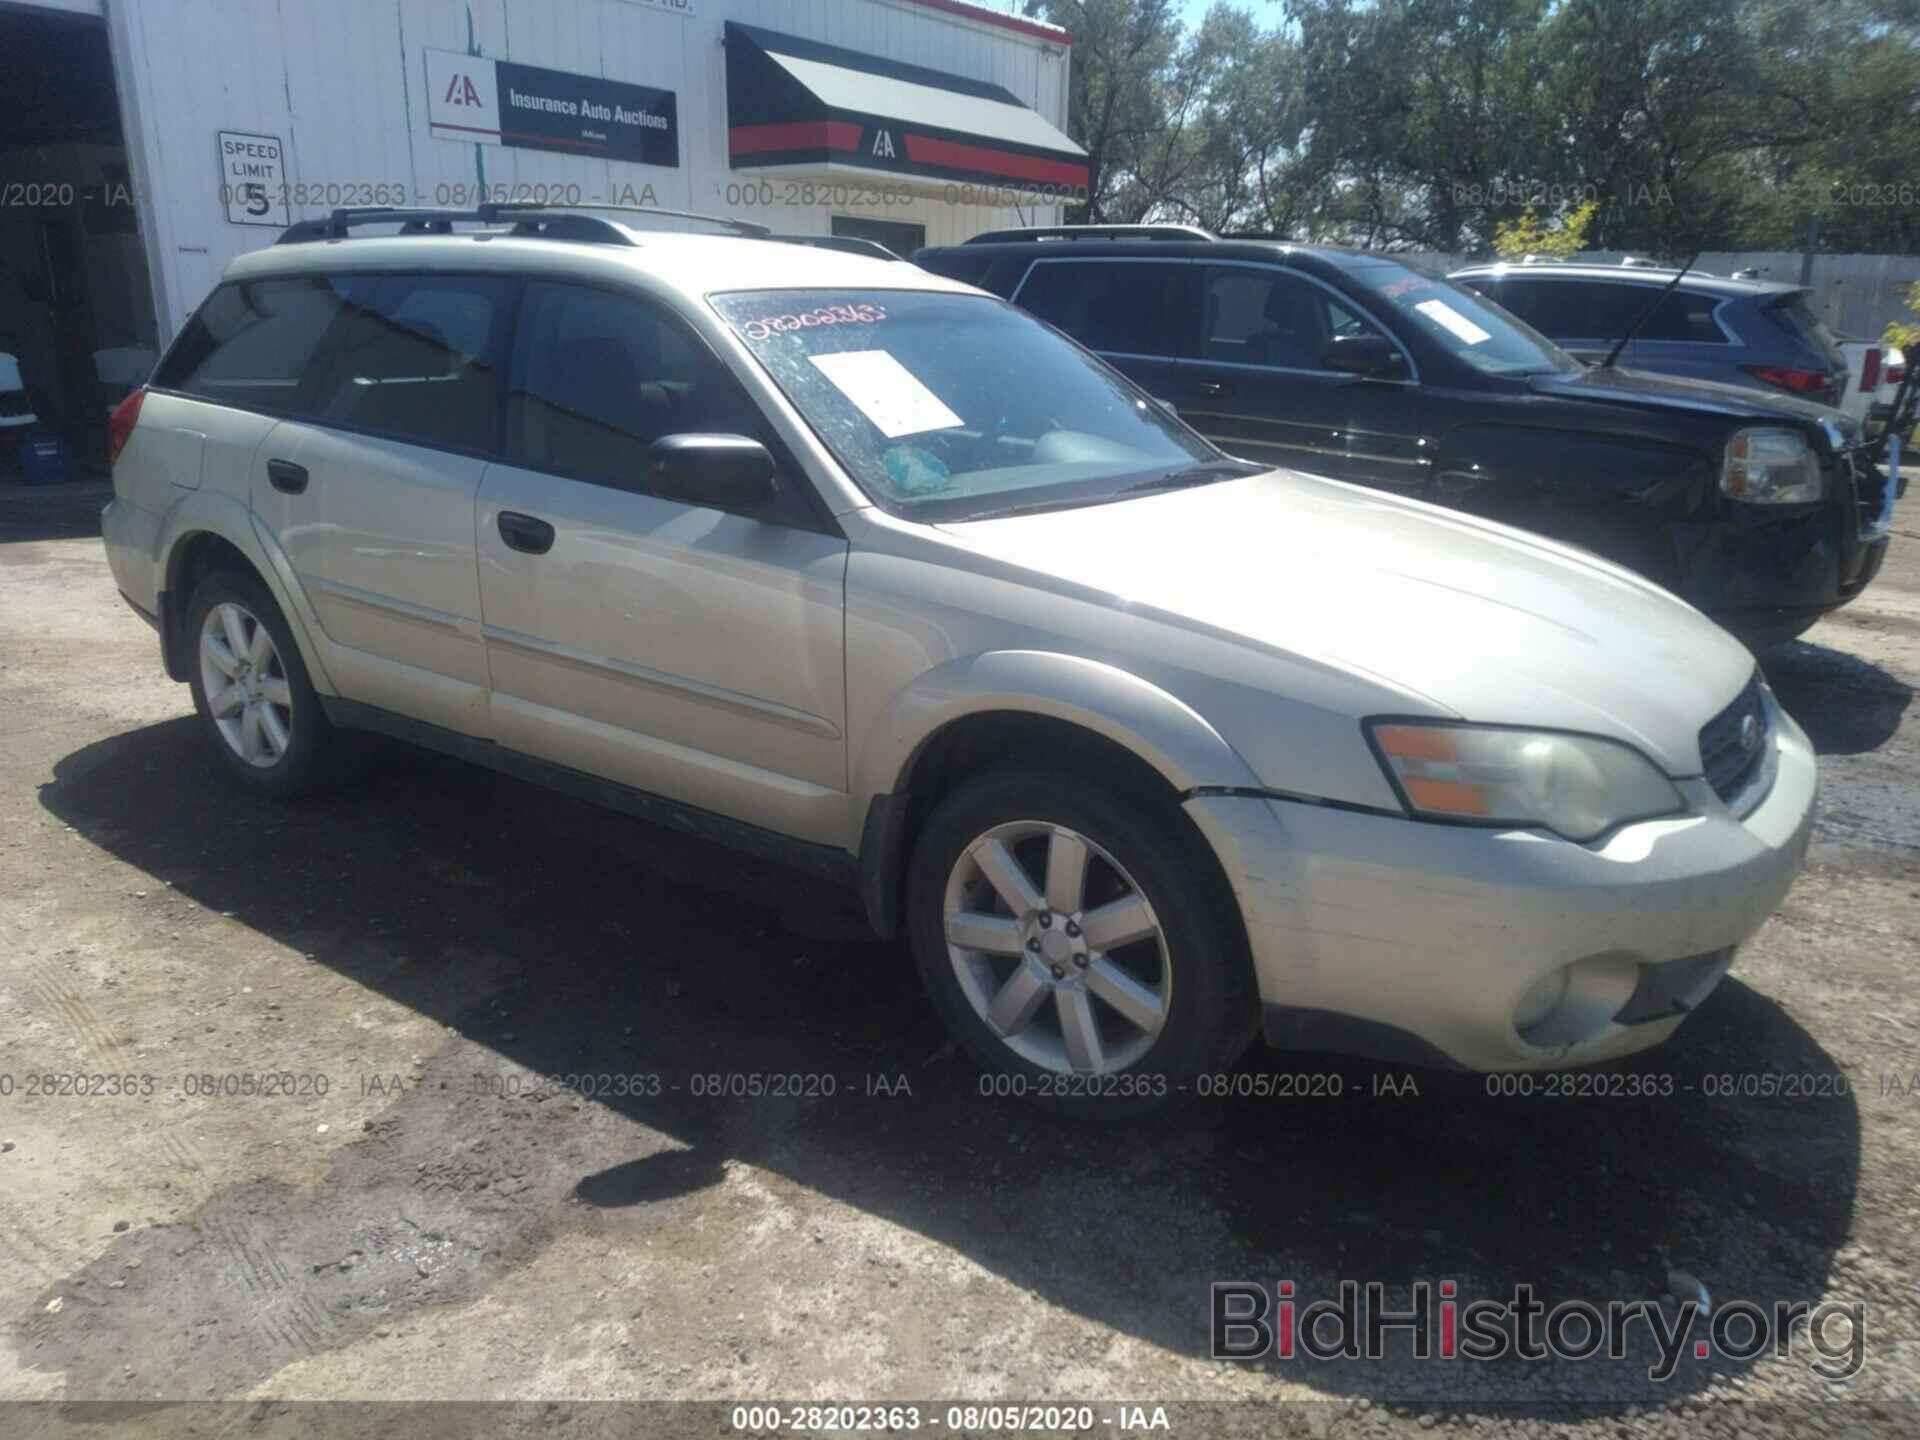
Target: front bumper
column 1767, row 574
column 1415, row 941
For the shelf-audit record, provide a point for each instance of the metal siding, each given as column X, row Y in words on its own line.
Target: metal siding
column 342, row 85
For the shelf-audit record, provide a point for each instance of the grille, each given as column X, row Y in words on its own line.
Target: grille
column 1869, row 491
column 1731, row 752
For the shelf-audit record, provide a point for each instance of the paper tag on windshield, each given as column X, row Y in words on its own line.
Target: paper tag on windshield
column 1447, row 317
column 888, row 393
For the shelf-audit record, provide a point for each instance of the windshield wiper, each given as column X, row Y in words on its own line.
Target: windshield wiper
column 1203, row 474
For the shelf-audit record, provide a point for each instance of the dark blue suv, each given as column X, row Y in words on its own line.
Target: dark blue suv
column 1706, row 327
column 1764, row 510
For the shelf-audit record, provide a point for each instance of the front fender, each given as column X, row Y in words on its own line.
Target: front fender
column 1165, row 732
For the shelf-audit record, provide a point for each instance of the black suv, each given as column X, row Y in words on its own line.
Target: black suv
column 1763, row 510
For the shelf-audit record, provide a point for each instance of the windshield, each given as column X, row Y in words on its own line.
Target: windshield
column 1470, row 325
column 947, row 407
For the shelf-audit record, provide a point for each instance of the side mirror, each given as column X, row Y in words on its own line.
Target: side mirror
column 725, row 471
column 1371, row 357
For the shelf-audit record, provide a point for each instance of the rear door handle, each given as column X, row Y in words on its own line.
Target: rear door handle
column 287, row 477
column 1213, row 387
column 525, row 533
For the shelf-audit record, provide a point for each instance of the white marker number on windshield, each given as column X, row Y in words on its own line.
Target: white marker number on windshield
column 1445, row 315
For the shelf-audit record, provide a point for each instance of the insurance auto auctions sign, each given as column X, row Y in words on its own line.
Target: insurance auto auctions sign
column 496, row 102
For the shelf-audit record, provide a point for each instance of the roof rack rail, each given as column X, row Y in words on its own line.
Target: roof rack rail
column 872, row 249
column 557, row 222
column 726, row 222
column 1095, row 232
column 411, row 222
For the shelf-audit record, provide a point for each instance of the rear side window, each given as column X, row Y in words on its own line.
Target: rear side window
column 252, row 342
column 999, row 274
column 1576, row 309
column 598, row 377
column 1124, row 307
column 1685, row 317
column 416, row 357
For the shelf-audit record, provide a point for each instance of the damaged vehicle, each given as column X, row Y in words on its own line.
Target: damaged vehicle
column 1762, row 509
column 1142, row 749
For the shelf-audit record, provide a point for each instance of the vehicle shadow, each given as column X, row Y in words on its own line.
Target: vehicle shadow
column 1847, row 705
column 556, row 939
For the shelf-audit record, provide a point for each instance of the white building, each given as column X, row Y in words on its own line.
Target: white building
column 157, row 139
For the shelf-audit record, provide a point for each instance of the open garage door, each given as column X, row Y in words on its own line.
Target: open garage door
column 76, row 304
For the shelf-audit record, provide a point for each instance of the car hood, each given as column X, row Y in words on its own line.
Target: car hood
column 1457, row 615
column 1644, row 390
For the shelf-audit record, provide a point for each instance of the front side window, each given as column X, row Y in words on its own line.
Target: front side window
column 957, row 406
column 1272, row 318
column 598, row 377
column 1490, row 339
column 252, row 341
column 416, row 358
column 1121, row 307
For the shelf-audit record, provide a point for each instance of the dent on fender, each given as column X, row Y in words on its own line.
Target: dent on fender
column 214, row 513
column 1163, row 731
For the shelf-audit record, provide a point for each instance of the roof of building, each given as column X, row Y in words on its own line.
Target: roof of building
column 1019, row 24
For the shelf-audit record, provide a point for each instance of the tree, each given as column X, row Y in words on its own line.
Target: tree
column 1118, row 101
column 1517, row 239
column 1457, row 125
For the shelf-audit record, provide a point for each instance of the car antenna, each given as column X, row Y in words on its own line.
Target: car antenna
column 1641, row 318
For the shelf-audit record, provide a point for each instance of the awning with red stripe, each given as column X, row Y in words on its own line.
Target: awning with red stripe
column 798, row 102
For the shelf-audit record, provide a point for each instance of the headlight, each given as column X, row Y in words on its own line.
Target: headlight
column 1770, row 467
column 1579, row 786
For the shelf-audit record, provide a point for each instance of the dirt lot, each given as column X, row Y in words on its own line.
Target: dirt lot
column 405, row 1212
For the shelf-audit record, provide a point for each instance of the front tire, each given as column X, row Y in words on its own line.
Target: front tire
column 1078, row 943
column 256, row 704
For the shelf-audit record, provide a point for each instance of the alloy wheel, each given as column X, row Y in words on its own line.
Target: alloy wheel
column 1057, row 949
column 245, row 684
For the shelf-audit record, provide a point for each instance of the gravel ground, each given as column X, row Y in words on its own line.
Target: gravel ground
column 330, row 1169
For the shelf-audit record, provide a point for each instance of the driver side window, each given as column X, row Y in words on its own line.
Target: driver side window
column 597, row 377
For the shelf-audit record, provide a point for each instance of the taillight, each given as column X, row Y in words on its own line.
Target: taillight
column 1870, row 371
column 1896, row 374
column 1815, row 383
column 121, row 422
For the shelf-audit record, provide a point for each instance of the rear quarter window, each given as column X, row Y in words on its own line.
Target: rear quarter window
column 1684, row 317
column 253, row 342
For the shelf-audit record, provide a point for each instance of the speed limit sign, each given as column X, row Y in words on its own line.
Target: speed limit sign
column 253, row 179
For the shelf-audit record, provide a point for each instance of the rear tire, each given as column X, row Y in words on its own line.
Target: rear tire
column 1078, row 944
column 262, row 717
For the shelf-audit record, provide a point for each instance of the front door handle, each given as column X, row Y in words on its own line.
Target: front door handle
column 287, row 477
column 525, row 533
column 1213, row 387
